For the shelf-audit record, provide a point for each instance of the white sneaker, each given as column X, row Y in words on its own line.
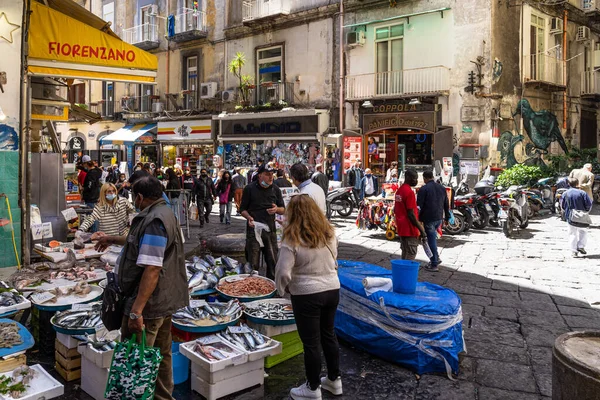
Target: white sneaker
column 303, row 392
column 333, row 387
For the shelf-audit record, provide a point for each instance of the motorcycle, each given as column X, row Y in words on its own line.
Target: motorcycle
column 540, row 197
column 488, row 201
column 561, row 187
column 458, row 226
column 513, row 213
column 474, row 211
column 340, row 201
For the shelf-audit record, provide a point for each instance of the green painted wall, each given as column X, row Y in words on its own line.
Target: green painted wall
column 9, row 185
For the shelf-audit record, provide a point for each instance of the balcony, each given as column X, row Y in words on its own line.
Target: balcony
column 590, row 85
column 189, row 25
column 274, row 92
column 544, row 71
column 257, row 10
column 408, row 82
column 143, row 36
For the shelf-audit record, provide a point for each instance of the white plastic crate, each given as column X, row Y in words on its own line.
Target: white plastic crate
column 227, row 373
column 101, row 359
column 275, row 348
column 43, row 386
column 93, row 379
column 272, row 330
column 16, row 307
column 211, row 366
column 213, row 391
column 67, row 340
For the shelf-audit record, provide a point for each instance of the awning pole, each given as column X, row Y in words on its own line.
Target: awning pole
column 24, row 176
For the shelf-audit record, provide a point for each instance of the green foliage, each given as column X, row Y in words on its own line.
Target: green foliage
column 521, row 175
column 245, row 81
column 576, row 158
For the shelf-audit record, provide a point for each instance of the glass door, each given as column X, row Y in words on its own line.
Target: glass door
column 389, row 57
column 191, row 82
column 537, row 47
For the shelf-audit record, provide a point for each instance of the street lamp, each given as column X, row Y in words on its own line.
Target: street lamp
column 367, row 104
column 414, row 102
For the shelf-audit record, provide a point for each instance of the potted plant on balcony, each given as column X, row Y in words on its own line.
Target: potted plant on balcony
column 245, row 81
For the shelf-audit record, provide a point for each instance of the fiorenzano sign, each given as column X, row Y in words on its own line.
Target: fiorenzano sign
column 100, row 53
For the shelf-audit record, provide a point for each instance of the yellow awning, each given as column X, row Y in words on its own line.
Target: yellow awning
column 83, row 51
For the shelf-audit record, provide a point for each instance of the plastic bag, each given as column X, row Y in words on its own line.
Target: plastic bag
column 133, row 371
column 193, row 212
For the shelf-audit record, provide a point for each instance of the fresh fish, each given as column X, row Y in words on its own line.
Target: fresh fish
column 212, row 280
column 9, row 335
column 195, row 259
column 203, row 286
column 249, row 340
column 210, row 259
column 196, row 279
column 219, row 272
column 202, row 266
column 69, row 262
column 273, row 311
column 247, row 268
column 79, row 319
column 239, row 270
column 209, row 314
column 229, row 263
column 192, row 268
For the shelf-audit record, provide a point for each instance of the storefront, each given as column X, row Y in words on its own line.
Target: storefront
column 284, row 138
column 188, row 144
column 409, row 136
column 139, row 142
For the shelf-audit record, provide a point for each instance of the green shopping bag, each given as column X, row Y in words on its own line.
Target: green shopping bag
column 133, row 371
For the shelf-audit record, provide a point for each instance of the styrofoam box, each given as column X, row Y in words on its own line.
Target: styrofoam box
column 272, row 330
column 42, row 386
column 227, row 373
column 101, row 359
column 213, row 391
column 69, row 341
column 93, row 379
column 16, row 307
column 211, row 366
column 275, row 348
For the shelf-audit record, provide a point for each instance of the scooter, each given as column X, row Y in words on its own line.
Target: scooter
column 340, row 201
column 513, row 213
column 596, row 189
column 540, row 197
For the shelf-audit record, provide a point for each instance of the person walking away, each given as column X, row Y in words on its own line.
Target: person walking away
column 151, row 273
column 173, row 190
column 282, row 181
column 261, row 200
column 239, row 183
column 585, row 177
column 307, row 269
column 575, row 201
column 408, row 226
column 225, row 193
column 204, row 192
column 91, row 184
column 321, row 179
column 355, row 176
column 433, row 205
column 301, row 179
column 369, row 185
column 111, row 213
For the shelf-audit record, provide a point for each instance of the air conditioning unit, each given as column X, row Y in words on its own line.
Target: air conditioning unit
column 208, row 90
column 228, row 96
column 583, row 34
column 356, row 38
column 556, row 26
column 153, row 10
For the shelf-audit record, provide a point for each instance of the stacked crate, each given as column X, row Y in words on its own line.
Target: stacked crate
column 95, row 366
column 287, row 335
column 67, row 357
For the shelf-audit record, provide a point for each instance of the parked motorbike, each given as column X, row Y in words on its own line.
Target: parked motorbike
column 596, row 189
column 488, row 200
column 458, row 226
column 340, row 201
column 513, row 213
column 540, row 196
column 562, row 186
column 474, row 210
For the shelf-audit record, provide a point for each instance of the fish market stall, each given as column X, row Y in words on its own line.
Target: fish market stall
column 11, row 301
column 85, row 319
column 63, row 298
column 29, row 383
column 204, row 273
column 202, row 317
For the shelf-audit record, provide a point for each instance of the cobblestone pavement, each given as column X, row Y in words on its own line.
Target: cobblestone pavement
column 518, row 296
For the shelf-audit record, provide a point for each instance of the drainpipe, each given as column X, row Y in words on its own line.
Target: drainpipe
column 341, row 105
column 564, row 54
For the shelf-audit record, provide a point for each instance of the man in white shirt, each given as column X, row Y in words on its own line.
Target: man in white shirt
column 301, row 179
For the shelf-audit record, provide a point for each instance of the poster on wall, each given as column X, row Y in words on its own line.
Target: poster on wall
column 470, row 167
column 352, row 150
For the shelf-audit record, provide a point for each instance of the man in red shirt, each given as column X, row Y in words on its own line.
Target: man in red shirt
column 408, row 226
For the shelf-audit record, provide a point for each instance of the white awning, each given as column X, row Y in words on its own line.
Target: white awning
column 128, row 134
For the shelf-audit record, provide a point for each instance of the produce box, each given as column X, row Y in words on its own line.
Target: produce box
column 69, row 363
column 238, row 358
column 93, row 379
column 213, row 391
column 227, row 373
column 292, row 346
column 101, row 359
column 11, row 362
column 67, row 375
column 42, row 386
column 272, row 330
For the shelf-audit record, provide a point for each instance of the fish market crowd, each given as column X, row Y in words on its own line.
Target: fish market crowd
column 121, row 309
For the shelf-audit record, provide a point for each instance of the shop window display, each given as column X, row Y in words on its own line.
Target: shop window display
column 195, row 157
column 282, row 154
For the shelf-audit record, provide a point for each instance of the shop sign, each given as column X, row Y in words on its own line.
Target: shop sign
column 352, row 150
column 308, row 124
column 185, row 130
column 388, row 107
column 91, row 134
column 376, row 122
column 467, row 129
column 76, row 143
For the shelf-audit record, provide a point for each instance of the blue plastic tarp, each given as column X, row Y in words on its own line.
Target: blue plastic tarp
column 421, row 331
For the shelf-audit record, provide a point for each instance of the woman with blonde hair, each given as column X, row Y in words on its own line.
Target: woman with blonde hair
column 111, row 213
column 307, row 269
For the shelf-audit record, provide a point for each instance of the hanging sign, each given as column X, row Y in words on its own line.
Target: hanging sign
column 41, row 231
column 185, row 130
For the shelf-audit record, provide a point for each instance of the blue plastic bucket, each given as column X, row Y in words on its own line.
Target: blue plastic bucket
column 404, row 276
column 181, row 365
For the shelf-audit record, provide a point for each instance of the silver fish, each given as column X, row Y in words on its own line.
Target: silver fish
column 196, row 279
column 229, row 263
column 219, row 272
column 210, row 259
column 239, row 270
column 247, row 268
column 212, row 280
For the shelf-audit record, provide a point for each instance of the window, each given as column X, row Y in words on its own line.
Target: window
column 388, row 58
column 191, row 82
column 108, row 99
column 147, row 21
column 537, row 47
column 270, row 64
column 189, row 15
column 108, row 13
column 77, row 93
column 139, row 98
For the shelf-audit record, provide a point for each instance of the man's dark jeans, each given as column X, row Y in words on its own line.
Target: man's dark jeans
column 204, row 209
column 431, row 231
column 315, row 315
column 270, row 250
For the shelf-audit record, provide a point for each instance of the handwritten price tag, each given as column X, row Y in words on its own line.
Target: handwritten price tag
column 41, row 298
column 82, row 307
column 197, row 303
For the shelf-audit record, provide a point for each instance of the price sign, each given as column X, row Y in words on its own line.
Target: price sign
column 69, row 214
column 238, row 329
column 82, row 307
column 197, row 303
column 41, row 231
column 41, row 298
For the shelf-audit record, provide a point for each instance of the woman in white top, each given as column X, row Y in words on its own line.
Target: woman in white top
column 307, row 269
column 111, row 212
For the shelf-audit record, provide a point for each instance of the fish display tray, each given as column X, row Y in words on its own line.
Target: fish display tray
column 274, row 348
column 206, row 329
column 292, row 346
column 245, row 299
column 28, row 341
column 69, row 331
column 43, row 386
column 266, row 321
column 187, row 350
column 66, row 302
column 220, row 389
column 15, row 307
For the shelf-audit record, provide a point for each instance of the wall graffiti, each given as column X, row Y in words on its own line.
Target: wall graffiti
column 9, row 139
column 542, row 129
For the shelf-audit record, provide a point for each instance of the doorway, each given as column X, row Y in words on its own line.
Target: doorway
column 589, row 130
